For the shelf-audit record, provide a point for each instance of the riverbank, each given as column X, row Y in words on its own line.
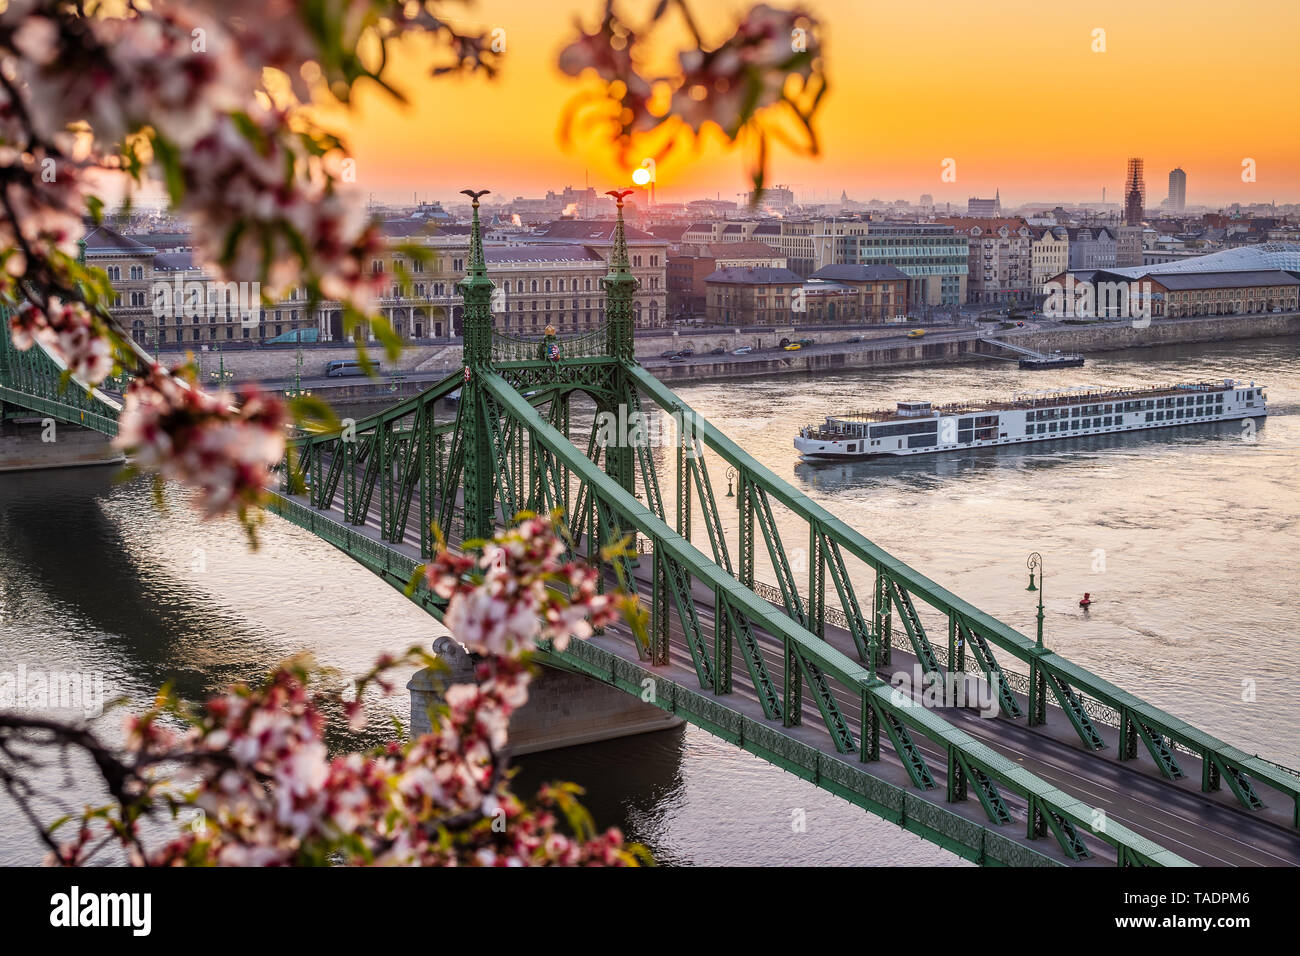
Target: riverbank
column 955, row 347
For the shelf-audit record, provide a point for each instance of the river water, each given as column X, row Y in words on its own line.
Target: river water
column 1186, row 540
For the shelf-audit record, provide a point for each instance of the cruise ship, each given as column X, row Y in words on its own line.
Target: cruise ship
column 920, row 428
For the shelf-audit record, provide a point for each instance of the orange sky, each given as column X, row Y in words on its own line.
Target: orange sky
column 1010, row 89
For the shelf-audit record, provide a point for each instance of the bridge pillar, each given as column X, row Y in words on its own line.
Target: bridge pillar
column 476, row 292
column 32, row 443
column 563, row 710
column 620, row 288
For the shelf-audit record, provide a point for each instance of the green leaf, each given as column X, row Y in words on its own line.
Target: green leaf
column 391, row 341
column 169, row 158
column 311, row 411
column 95, row 206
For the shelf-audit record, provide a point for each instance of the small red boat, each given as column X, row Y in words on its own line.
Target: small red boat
column 1087, row 600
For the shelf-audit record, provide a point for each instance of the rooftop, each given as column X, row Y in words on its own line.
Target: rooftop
column 859, row 273
column 103, row 240
column 752, row 276
column 597, row 231
column 542, row 253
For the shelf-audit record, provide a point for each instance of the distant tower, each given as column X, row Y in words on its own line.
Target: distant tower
column 1135, row 194
column 1177, row 191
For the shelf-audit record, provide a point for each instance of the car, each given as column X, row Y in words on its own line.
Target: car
column 853, row 339
column 669, row 354
column 793, row 347
column 916, row 333
column 719, row 351
column 676, row 357
column 743, row 350
column 339, row 368
column 806, row 342
column 686, row 353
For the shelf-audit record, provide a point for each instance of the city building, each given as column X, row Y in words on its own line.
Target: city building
column 1135, row 193
column 1225, row 293
column 647, row 254
column 1128, row 245
column 751, row 296
column 855, row 293
column 1049, row 255
column 934, row 256
column 999, row 259
column 1092, row 247
column 1177, row 201
column 694, row 262
column 985, row 208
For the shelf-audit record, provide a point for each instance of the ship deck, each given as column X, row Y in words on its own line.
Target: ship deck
column 1031, row 401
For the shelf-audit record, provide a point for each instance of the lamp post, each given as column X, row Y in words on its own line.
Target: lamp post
column 1037, row 677
column 221, row 376
column 731, row 475
column 1035, row 562
column 297, row 391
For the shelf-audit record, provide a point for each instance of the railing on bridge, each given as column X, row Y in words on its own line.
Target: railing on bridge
column 35, row 382
column 520, row 348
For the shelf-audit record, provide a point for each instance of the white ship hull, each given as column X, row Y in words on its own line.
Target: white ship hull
column 851, row 439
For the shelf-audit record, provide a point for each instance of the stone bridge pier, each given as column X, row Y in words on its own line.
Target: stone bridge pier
column 564, row 709
column 30, row 442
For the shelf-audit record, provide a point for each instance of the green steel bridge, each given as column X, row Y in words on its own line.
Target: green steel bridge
column 773, row 624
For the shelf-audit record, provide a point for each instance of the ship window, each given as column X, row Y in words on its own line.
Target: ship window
column 1052, row 427
column 853, row 446
column 1106, row 420
column 1150, row 416
column 1074, row 412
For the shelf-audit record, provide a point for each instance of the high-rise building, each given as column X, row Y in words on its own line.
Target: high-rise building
column 1177, row 201
column 1135, row 193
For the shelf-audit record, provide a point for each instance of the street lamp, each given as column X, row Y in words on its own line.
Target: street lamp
column 1035, row 562
column 221, row 376
column 731, row 474
column 297, row 391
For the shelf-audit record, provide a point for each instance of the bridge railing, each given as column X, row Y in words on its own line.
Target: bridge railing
column 1069, row 683
column 520, row 348
column 39, row 382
